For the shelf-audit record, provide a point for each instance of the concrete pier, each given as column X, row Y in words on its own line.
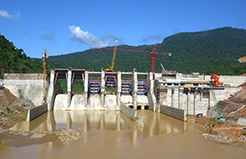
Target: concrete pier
column 69, row 88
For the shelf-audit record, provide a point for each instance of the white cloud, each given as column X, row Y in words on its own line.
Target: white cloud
column 86, row 37
column 5, row 14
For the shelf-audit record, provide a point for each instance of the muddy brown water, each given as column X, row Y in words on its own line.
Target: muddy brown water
column 110, row 134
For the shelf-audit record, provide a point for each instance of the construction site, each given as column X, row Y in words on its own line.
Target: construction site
column 112, row 99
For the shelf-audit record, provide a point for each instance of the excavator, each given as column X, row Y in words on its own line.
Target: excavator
column 111, row 68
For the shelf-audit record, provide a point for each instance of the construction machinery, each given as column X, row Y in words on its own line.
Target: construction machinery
column 215, row 80
column 152, row 53
column 163, row 69
column 111, row 68
column 45, row 57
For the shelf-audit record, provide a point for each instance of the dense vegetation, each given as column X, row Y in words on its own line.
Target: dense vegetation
column 205, row 50
column 13, row 60
column 191, row 52
column 237, row 69
column 212, row 51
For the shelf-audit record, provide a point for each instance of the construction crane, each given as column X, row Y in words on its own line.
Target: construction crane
column 45, row 57
column 152, row 53
column 163, row 69
column 111, row 68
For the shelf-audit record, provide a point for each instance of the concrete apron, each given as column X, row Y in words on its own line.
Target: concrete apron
column 78, row 102
column 95, row 103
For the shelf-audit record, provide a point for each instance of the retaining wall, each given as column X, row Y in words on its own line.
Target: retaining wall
column 132, row 114
column 36, row 112
column 173, row 112
column 25, row 86
column 233, row 81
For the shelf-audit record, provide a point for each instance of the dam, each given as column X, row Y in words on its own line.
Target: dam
column 175, row 95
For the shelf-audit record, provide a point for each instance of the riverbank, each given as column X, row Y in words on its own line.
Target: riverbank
column 12, row 109
column 220, row 131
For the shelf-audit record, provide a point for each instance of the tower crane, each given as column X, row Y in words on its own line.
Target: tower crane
column 45, row 57
column 152, row 53
column 111, row 68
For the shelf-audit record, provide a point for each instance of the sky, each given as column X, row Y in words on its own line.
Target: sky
column 64, row 26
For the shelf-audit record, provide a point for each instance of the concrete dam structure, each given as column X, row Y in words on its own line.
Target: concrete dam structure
column 172, row 95
column 131, row 92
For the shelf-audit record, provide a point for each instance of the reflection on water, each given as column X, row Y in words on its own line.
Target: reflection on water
column 104, row 126
column 110, row 134
column 102, row 121
column 83, row 121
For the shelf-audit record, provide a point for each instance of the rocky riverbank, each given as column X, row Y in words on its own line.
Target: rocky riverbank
column 220, row 131
column 21, row 138
column 14, row 110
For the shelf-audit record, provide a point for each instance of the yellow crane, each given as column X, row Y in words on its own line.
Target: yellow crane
column 111, row 68
column 45, row 57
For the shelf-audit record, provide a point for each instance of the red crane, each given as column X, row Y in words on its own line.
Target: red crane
column 153, row 53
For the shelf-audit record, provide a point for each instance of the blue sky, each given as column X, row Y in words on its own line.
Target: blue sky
column 70, row 26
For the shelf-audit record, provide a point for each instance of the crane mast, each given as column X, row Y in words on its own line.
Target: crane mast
column 111, row 68
column 45, row 57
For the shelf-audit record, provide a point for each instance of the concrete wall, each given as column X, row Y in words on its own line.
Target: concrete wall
column 60, row 102
column 153, row 105
column 36, row 112
column 111, row 102
column 51, row 91
column 196, row 100
column 132, row 114
column 94, row 102
column 173, row 112
column 25, row 86
column 233, row 81
column 78, row 102
column 192, row 102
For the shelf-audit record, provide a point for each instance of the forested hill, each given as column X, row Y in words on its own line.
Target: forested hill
column 205, row 50
column 13, row 60
column 191, row 52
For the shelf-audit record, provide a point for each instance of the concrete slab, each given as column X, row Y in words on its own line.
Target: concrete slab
column 60, row 102
column 94, row 102
column 126, row 99
column 142, row 100
column 77, row 102
column 110, row 102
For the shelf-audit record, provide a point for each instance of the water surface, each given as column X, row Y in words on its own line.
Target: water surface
column 110, row 134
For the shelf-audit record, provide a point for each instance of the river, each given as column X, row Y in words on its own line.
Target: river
column 110, row 134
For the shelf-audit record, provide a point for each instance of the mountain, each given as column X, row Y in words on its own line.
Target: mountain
column 211, row 51
column 191, row 52
column 204, row 50
column 13, row 60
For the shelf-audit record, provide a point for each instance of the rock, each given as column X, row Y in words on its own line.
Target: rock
column 220, row 138
column 2, row 124
column 242, row 138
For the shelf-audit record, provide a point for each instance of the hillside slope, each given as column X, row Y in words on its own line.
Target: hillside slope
column 15, row 60
column 191, row 52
